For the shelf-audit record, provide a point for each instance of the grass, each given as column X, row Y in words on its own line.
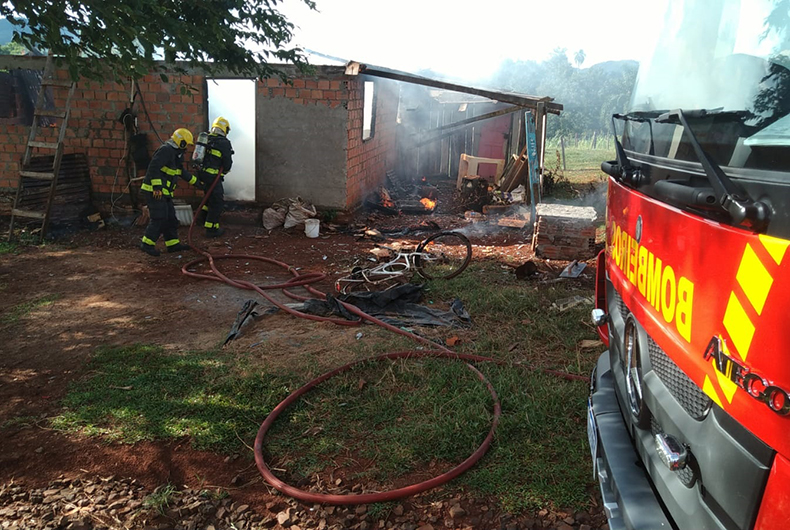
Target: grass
column 8, row 248
column 383, row 423
column 25, row 308
column 161, row 498
column 583, row 179
column 142, row 393
column 19, row 421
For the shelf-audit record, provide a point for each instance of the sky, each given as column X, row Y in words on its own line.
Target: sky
column 469, row 39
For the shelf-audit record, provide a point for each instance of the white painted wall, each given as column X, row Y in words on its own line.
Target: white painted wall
column 234, row 99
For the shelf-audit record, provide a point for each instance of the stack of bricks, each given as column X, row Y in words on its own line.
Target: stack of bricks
column 564, row 232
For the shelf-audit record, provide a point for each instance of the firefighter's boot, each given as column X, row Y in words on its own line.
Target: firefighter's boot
column 149, row 249
column 178, row 247
column 214, row 232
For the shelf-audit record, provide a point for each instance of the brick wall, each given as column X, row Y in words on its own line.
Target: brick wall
column 94, row 129
column 369, row 160
column 330, row 91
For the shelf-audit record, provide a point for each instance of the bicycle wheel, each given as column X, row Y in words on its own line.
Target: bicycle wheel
column 443, row 255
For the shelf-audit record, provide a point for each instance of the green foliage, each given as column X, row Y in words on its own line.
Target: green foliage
column 329, row 216
column 99, row 39
column 7, row 247
column 590, row 96
column 12, row 48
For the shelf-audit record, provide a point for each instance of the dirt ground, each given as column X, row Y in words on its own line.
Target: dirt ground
column 106, row 292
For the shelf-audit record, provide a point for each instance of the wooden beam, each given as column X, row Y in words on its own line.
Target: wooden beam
column 482, row 117
column 465, row 123
column 505, row 97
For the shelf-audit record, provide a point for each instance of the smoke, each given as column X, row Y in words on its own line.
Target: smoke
column 709, row 55
column 595, row 197
column 487, row 225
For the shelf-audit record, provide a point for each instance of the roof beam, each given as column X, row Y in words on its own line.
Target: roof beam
column 465, row 123
column 355, row 68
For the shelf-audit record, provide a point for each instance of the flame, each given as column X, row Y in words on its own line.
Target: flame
column 385, row 198
column 428, row 203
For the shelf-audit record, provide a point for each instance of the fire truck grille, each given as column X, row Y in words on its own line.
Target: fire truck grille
column 683, row 389
column 624, row 311
column 689, row 395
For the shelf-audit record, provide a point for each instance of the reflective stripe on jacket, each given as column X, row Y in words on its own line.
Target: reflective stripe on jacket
column 219, row 155
column 166, row 167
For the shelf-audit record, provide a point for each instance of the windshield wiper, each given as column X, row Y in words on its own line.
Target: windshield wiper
column 621, row 169
column 744, row 211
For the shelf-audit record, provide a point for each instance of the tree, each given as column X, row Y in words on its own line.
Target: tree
column 579, row 58
column 102, row 39
column 12, row 48
column 590, row 96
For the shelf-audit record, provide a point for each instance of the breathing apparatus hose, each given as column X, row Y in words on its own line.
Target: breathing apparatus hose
column 305, row 281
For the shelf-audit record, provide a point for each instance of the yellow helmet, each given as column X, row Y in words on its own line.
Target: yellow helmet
column 182, row 137
column 221, row 124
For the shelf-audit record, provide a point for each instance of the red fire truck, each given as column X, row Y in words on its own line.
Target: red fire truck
column 689, row 411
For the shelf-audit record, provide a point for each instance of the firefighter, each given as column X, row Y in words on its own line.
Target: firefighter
column 218, row 159
column 166, row 167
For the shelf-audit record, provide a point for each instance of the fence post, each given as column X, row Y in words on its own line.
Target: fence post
column 562, row 144
column 595, row 139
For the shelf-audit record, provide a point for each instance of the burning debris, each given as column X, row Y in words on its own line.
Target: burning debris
column 418, row 200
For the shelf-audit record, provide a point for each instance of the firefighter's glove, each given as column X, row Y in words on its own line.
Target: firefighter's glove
column 157, row 194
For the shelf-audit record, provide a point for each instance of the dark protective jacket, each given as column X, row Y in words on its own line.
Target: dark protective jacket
column 219, row 155
column 166, row 167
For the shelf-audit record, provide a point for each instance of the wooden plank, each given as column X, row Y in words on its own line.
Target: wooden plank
column 44, row 145
column 37, row 175
column 49, row 113
column 28, row 213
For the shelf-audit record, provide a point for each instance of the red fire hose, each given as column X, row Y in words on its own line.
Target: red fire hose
column 305, row 281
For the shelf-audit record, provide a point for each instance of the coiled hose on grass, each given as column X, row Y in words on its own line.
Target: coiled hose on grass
column 305, row 281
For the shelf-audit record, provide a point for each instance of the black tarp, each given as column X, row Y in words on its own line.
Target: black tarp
column 398, row 306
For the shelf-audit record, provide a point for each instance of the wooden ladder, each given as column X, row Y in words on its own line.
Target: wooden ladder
column 47, row 80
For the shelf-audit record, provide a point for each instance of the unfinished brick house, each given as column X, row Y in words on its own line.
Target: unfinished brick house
column 314, row 137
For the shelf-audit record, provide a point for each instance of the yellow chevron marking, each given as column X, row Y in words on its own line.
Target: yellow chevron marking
column 738, row 325
column 710, row 390
column 726, row 385
column 754, row 278
column 776, row 247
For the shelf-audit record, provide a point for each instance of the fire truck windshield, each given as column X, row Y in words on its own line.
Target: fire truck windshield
column 732, row 58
